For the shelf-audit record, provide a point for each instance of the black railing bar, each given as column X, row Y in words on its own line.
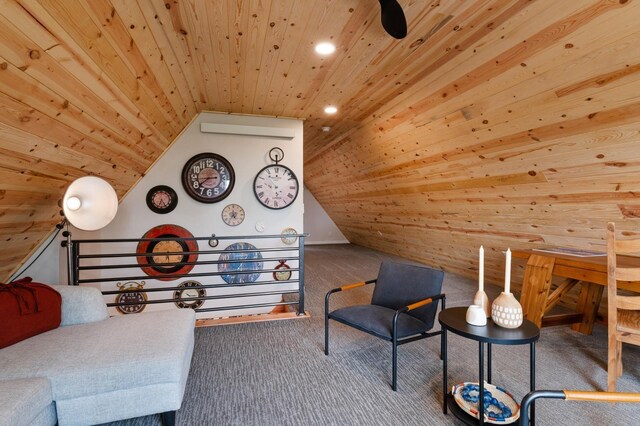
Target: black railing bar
column 257, row 305
column 257, row 250
column 168, row 264
column 171, row 277
column 205, row 286
column 194, row 299
column 216, row 237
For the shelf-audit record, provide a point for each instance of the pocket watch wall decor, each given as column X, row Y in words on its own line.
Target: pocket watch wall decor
column 163, row 257
column 129, row 295
column 276, row 186
column 283, row 273
column 240, row 257
column 162, row 199
column 213, row 242
column 233, row 215
column 208, row 177
column 289, row 236
column 189, row 289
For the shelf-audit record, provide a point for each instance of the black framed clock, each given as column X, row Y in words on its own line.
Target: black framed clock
column 162, row 199
column 208, row 177
column 135, row 300
column 191, row 290
column 276, row 186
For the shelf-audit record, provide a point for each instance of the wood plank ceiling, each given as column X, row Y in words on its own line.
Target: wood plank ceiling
column 504, row 123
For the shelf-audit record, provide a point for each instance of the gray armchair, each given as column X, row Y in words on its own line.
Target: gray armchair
column 402, row 309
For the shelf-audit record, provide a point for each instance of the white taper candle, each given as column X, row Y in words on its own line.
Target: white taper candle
column 481, row 269
column 507, row 272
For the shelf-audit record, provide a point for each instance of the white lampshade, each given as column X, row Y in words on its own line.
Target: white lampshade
column 90, row 203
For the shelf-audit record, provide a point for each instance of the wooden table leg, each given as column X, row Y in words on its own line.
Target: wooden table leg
column 535, row 288
column 588, row 304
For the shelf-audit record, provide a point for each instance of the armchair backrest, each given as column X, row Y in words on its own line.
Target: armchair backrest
column 400, row 284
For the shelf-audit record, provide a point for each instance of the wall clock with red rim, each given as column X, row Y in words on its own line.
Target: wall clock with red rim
column 162, row 199
column 130, row 295
column 283, row 272
column 276, row 186
column 208, row 177
column 189, row 290
column 164, row 248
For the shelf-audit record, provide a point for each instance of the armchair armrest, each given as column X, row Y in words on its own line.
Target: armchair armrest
column 344, row 288
column 413, row 306
column 81, row 305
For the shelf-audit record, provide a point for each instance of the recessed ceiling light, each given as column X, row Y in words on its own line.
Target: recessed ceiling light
column 330, row 109
column 326, row 129
column 325, row 48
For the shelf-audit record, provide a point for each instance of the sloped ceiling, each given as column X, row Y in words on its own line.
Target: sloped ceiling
column 506, row 123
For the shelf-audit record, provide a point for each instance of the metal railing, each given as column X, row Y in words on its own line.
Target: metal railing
column 241, row 266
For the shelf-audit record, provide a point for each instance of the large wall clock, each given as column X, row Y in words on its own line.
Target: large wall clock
column 240, row 257
column 208, row 177
column 276, row 186
column 164, row 255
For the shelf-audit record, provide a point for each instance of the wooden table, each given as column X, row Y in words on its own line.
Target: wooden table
column 589, row 272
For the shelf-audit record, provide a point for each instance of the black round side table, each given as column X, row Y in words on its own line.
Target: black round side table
column 454, row 320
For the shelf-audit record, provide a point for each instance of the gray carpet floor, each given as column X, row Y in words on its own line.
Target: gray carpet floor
column 277, row 374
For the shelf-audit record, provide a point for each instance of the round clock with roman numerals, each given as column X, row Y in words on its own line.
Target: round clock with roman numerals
column 276, row 186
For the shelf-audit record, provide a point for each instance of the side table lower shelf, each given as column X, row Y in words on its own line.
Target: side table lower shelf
column 465, row 417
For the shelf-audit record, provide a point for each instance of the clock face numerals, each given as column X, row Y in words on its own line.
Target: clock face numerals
column 233, row 215
column 167, row 253
column 187, row 291
column 162, row 199
column 289, row 236
column 276, row 186
column 208, row 177
column 283, row 272
column 129, row 295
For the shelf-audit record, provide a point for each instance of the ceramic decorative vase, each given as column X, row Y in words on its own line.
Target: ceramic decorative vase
column 482, row 300
column 475, row 316
column 506, row 311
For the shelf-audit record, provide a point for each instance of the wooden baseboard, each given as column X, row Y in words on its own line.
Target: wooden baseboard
column 250, row 318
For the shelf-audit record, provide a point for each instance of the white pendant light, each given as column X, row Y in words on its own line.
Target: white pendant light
column 90, row 203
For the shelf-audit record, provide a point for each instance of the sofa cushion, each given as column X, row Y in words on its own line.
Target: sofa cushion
column 26, row 402
column 81, row 304
column 121, row 352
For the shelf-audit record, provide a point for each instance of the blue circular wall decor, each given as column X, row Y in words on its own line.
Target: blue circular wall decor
column 240, row 257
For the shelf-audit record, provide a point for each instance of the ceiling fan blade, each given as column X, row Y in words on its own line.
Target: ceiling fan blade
column 393, row 20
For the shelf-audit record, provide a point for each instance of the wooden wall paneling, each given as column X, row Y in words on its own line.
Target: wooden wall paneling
column 208, row 47
column 127, row 31
column 173, row 48
column 89, row 37
column 32, row 17
column 21, row 116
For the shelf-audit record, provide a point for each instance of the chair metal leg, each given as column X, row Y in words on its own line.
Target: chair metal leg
column 394, row 381
column 168, row 418
column 326, row 334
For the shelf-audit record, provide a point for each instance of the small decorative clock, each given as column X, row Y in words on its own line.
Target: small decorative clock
column 208, row 177
column 233, row 215
column 213, row 242
column 289, row 236
column 283, row 272
column 276, row 186
column 189, row 290
column 162, row 199
column 130, row 295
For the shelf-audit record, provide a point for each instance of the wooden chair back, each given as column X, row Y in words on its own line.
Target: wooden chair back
column 623, row 312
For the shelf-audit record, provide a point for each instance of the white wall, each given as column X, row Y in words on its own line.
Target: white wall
column 247, row 154
column 318, row 224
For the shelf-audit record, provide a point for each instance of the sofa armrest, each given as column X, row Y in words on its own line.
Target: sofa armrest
column 81, row 305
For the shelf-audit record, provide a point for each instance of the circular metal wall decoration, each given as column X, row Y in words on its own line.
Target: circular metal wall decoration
column 208, row 177
column 130, row 295
column 188, row 290
column 233, row 215
column 289, row 236
column 283, row 272
column 162, row 199
column 276, row 186
column 213, row 242
column 240, row 257
column 163, row 257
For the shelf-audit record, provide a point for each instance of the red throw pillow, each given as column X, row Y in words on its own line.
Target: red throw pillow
column 26, row 309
